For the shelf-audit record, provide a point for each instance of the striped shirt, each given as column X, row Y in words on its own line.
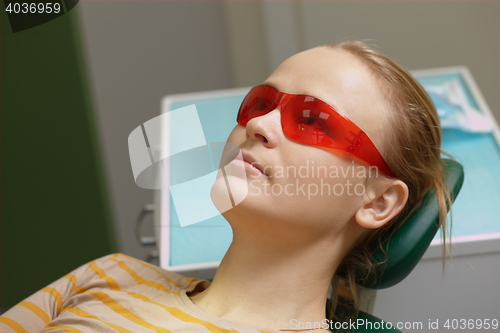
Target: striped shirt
column 117, row 293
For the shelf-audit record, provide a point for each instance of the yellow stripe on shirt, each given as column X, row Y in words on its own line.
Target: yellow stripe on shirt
column 121, row 310
column 157, row 271
column 69, row 329
column 140, row 280
column 56, row 294
column 112, row 284
column 112, row 304
column 76, row 289
column 181, row 315
column 82, row 313
column 36, row 310
column 12, row 324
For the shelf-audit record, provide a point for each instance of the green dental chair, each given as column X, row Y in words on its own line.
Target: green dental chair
column 407, row 246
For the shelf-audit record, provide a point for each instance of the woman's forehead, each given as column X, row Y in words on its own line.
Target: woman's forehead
column 320, row 71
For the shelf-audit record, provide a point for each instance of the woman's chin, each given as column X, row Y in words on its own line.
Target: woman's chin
column 226, row 195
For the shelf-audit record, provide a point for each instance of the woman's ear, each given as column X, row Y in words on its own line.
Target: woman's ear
column 387, row 200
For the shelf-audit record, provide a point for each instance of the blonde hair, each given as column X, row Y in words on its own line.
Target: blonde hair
column 414, row 155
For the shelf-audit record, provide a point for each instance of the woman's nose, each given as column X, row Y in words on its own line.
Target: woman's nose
column 266, row 128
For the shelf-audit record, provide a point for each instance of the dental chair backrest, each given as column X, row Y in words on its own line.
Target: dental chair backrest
column 407, row 245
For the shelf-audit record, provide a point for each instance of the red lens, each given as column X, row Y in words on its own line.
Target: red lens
column 259, row 101
column 307, row 120
column 310, row 121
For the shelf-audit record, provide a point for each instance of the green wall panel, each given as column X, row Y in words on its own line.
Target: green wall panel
column 54, row 212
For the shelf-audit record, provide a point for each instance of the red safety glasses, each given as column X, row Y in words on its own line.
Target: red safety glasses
column 308, row 120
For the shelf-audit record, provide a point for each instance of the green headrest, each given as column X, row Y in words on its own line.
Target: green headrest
column 408, row 244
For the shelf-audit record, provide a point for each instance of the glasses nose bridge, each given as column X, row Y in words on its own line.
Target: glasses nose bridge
column 283, row 98
column 280, row 100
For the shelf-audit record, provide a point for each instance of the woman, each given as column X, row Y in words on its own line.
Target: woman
column 287, row 242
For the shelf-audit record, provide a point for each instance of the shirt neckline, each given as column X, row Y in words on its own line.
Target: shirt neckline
column 231, row 325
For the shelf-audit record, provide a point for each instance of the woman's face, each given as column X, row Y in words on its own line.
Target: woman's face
column 306, row 188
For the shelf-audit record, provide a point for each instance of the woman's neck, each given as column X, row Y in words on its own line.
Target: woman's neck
column 269, row 282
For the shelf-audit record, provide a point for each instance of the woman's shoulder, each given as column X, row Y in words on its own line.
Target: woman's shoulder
column 126, row 268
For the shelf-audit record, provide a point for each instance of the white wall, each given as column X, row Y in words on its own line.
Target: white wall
column 468, row 289
column 417, row 34
column 136, row 53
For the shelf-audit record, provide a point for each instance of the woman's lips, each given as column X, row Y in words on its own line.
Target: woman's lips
column 252, row 168
column 252, row 165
